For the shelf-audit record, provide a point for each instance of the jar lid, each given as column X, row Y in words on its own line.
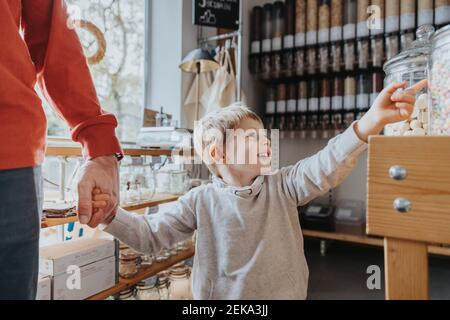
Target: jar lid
column 443, row 33
column 417, row 53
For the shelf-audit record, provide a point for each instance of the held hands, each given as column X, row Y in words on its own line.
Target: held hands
column 100, row 173
column 394, row 104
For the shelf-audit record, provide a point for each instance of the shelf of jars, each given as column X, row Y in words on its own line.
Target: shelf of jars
column 439, row 250
column 156, row 201
column 144, row 273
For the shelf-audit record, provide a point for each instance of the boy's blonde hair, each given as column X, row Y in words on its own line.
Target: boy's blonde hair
column 213, row 127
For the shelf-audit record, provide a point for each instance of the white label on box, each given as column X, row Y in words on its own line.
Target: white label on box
column 267, row 45
column 277, row 44
column 337, row 103
column 442, row 15
column 362, row 30
column 362, row 100
column 256, row 46
column 349, row 31
column 344, row 213
column 407, row 21
column 425, row 17
column 311, row 37
column 302, row 105
column 324, row 35
column 349, row 102
column 313, row 104
column 336, row 33
column 270, row 107
column 392, row 24
column 292, row 106
column 378, row 27
column 281, row 106
column 95, row 278
column 300, row 39
column 325, row 103
column 289, row 42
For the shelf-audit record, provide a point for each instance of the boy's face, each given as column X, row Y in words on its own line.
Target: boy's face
column 248, row 150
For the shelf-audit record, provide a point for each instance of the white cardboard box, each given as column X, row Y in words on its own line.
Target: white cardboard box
column 44, row 288
column 94, row 278
column 56, row 259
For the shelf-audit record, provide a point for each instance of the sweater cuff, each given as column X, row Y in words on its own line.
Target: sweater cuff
column 349, row 144
column 121, row 223
column 98, row 137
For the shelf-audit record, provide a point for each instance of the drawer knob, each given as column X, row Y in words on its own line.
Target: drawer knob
column 402, row 205
column 398, row 173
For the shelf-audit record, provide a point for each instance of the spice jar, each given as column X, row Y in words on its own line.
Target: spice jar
column 441, row 12
column 291, row 108
column 180, row 284
column 302, row 103
column 377, row 22
column 363, row 95
column 266, row 46
column 337, row 105
column 313, row 107
column 407, row 22
column 147, row 290
column 377, row 45
column 288, row 60
column 392, row 16
column 311, row 22
column 349, row 100
column 350, row 14
column 300, row 23
column 324, row 21
column 179, row 180
column 270, row 108
column 163, row 285
column 377, row 86
column 299, row 61
column 277, row 38
column 164, row 255
column 281, row 107
column 128, row 264
column 362, row 29
column 337, row 7
column 392, row 28
column 256, row 38
column 126, row 295
column 411, row 66
column 325, row 107
column 440, row 82
column 425, row 12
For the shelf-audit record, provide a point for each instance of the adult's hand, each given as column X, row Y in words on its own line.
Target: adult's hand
column 99, row 173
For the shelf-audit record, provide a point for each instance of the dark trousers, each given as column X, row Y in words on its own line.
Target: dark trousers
column 21, row 196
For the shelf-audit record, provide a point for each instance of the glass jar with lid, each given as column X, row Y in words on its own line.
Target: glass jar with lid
column 128, row 264
column 147, row 290
column 411, row 66
column 439, row 82
column 180, row 283
column 126, row 295
column 163, row 285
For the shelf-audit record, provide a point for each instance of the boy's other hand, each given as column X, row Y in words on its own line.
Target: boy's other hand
column 394, row 104
column 100, row 202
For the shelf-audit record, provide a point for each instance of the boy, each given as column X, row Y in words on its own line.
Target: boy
column 249, row 240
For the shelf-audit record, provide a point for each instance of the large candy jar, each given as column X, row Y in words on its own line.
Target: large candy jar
column 411, row 65
column 439, row 82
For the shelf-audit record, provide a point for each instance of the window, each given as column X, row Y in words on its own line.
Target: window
column 120, row 76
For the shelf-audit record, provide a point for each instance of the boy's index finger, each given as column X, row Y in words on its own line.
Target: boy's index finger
column 394, row 87
column 418, row 86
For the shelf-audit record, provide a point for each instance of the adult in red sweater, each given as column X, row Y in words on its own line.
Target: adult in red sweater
column 38, row 46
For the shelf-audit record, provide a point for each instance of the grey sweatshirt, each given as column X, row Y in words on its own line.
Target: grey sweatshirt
column 249, row 241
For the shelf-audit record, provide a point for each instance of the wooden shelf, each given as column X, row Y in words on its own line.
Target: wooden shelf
column 367, row 240
column 156, row 201
column 145, row 273
column 75, row 151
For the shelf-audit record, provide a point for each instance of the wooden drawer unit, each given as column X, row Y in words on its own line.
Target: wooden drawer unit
column 408, row 205
column 425, row 164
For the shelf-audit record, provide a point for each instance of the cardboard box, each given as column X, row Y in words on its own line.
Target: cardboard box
column 56, row 259
column 93, row 278
column 44, row 289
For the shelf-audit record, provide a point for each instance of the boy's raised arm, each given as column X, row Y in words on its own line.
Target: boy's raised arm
column 315, row 176
column 150, row 234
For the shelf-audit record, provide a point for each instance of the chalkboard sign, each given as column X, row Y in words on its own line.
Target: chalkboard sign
column 217, row 13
